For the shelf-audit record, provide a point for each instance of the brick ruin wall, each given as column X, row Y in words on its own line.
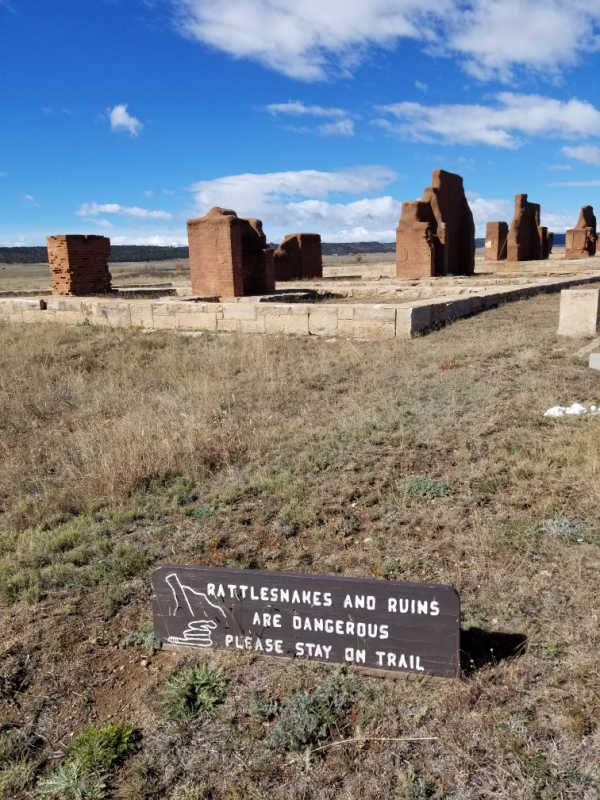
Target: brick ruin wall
column 496, row 235
column 527, row 239
column 580, row 242
column 229, row 256
column 299, row 256
column 436, row 234
column 78, row 264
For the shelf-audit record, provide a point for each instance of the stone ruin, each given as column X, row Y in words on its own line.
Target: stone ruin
column 581, row 240
column 78, row 264
column 527, row 239
column 229, row 256
column 436, row 234
column 299, row 256
column 496, row 235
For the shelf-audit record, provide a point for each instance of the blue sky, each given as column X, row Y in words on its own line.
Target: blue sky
column 127, row 117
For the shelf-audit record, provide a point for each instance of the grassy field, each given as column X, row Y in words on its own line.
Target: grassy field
column 121, row 450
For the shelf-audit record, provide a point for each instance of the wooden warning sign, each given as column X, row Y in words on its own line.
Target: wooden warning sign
column 383, row 625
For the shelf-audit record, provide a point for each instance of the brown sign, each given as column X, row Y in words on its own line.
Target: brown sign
column 386, row 625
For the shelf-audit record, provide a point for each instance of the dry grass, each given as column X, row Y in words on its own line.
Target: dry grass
column 120, row 450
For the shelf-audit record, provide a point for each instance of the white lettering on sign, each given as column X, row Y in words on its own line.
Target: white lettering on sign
column 269, row 594
column 402, row 605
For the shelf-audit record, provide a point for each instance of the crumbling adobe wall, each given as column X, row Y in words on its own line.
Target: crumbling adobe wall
column 527, row 239
column 496, row 235
column 78, row 264
column 436, row 235
column 581, row 241
column 229, row 256
column 299, row 256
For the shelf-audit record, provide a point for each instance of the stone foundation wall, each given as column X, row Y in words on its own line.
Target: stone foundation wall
column 358, row 320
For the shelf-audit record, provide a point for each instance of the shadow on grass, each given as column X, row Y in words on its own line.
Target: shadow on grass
column 479, row 648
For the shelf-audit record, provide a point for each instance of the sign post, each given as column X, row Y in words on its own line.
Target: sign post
column 392, row 626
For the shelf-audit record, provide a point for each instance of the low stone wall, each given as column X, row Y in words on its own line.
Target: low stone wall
column 359, row 320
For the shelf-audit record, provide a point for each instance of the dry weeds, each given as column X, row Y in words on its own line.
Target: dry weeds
column 120, row 450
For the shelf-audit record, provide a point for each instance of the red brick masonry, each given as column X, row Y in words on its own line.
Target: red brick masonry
column 299, row 256
column 527, row 239
column 229, row 256
column 581, row 240
column 78, row 264
column 496, row 235
column 436, row 234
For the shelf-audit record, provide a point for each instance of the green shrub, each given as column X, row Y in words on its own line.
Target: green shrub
column 98, row 749
column 569, row 530
column 420, row 486
column 263, row 708
column 143, row 637
column 71, row 781
column 18, row 761
column 194, row 691
column 307, row 718
column 16, row 776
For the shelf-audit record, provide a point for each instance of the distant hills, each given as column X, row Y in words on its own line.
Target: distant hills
column 132, row 252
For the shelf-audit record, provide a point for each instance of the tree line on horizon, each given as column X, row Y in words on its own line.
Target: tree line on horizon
column 134, row 252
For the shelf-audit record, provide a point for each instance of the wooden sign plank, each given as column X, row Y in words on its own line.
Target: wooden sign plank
column 393, row 626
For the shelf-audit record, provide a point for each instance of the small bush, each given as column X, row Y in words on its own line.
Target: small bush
column 18, row 761
column 16, row 776
column 70, row 781
column 263, row 708
column 143, row 637
column 569, row 530
column 307, row 718
column 101, row 748
column 16, row 744
column 194, row 691
column 419, row 486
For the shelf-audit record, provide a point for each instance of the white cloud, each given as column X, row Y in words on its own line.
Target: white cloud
column 298, row 109
column 342, row 124
column 560, row 167
column 313, row 40
column 496, row 36
column 121, row 120
column 584, row 152
column 576, row 183
column 308, row 200
column 343, row 127
column 498, row 125
column 94, row 209
column 489, row 210
column 148, row 193
column 101, row 223
column 32, row 200
column 422, row 87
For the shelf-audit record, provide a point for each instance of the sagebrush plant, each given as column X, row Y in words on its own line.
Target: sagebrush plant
column 307, row 718
column 421, row 486
column 91, row 759
column 71, row 781
column 567, row 529
column 19, row 760
column 194, row 691
column 101, row 748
